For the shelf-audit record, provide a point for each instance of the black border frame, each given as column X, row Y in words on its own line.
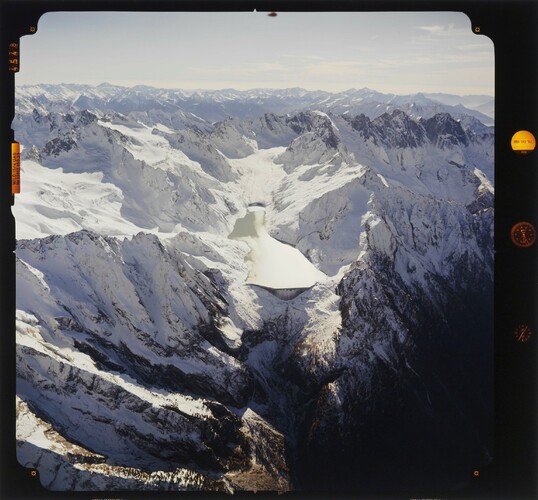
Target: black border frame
column 512, row 25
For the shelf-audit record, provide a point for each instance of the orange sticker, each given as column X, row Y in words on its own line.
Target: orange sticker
column 15, row 168
column 523, row 142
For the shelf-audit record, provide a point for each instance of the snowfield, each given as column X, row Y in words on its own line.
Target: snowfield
column 56, row 202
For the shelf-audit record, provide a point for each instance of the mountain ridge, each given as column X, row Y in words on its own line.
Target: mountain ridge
column 221, row 102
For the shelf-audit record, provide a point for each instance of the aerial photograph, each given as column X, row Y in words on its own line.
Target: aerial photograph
column 255, row 252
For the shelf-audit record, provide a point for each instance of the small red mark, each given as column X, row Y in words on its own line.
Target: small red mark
column 523, row 234
column 523, row 333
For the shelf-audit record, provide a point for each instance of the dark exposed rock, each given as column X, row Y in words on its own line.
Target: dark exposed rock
column 311, row 122
column 58, row 145
column 399, row 130
column 444, row 131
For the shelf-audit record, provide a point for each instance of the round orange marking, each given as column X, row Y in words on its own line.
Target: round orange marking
column 523, row 142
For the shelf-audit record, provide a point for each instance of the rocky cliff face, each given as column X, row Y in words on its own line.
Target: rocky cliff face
column 145, row 361
column 415, row 376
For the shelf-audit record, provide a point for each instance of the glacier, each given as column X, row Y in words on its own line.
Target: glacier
column 277, row 290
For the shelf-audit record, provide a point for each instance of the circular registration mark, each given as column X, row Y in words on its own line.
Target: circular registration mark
column 523, row 234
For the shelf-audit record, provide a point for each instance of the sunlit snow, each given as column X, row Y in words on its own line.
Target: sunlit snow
column 56, row 202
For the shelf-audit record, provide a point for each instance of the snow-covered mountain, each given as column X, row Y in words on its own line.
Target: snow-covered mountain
column 216, row 105
column 256, row 290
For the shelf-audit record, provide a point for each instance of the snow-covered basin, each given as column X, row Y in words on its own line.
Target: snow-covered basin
column 273, row 264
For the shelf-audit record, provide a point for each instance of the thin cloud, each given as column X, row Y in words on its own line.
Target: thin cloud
column 436, row 28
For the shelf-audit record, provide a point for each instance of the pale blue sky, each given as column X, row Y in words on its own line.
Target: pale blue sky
column 400, row 53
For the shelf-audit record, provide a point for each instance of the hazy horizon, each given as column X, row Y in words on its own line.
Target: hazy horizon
column 399, row 53
column 253, row 89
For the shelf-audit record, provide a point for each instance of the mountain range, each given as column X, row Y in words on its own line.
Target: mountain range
column 167, row 336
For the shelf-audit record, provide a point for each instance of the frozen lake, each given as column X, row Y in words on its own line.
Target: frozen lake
column 272, row 264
